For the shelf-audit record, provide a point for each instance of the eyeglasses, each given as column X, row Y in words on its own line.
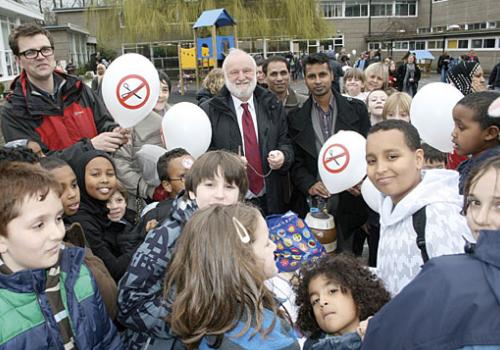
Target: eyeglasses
column 180, row 178
column 32, row 54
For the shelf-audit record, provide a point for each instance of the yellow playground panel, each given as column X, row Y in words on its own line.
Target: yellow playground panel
column 188, row 58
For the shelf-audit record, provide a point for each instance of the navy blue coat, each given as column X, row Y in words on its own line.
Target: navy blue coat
column 454, row 302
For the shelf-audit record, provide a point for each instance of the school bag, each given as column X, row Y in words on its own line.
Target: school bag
column 419, row 218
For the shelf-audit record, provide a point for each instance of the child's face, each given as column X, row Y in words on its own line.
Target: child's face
column 215, row 191
column 100, row 178
column 483, row 211
column 431, row 164
column 392, row 166
column 353, row 86
column 335, row 312
column 177, row 169
column 467, row 135
column 376, row 103
column 34, row 238
column 398, row 114
column 264, row 248
column 71, row 192
column 374, row 82
column 478, row 80
column 117, row 206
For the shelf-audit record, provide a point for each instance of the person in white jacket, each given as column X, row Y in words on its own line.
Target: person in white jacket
column 394, row 165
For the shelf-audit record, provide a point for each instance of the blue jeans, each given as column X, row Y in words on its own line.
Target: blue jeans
column 443, row 75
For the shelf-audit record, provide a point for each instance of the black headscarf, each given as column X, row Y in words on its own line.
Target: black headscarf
column 79, row 164
column 461, row 76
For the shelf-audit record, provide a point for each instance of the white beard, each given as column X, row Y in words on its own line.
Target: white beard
column 242, row 93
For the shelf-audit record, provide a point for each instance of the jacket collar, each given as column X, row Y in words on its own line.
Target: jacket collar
column 488, row 248
column 29, row 281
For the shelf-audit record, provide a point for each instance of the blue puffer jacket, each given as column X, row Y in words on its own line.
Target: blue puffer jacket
column 26, row 319
column 141, row 306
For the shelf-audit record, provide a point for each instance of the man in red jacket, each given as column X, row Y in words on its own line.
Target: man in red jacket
column 55, row 110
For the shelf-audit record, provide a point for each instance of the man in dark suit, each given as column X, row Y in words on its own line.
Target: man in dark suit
column 251, row 121
column 322, row 115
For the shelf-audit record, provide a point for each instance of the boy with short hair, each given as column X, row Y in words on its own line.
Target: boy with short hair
column 172, row 167
column 476, row 133
column 216, row 177
column 48, row 297
column 433, row 158
column 416, row 204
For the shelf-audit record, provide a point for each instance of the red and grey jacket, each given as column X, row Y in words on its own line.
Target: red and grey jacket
column 65, row 123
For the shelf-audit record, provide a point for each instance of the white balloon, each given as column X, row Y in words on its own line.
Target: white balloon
column 431, row 113
column 354, row 52
column 371, row 195
column 130, row 89
column 186, row 125
column 341, row 161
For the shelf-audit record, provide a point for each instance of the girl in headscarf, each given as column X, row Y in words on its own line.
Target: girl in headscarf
column 468, row 77
column 96, row 176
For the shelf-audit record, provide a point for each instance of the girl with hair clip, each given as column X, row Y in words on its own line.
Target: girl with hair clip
column 334, row 294
column 458, row 304
column 218, row 277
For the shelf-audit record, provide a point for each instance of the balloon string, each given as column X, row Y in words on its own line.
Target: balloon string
column 259, row 174
column 253, row 169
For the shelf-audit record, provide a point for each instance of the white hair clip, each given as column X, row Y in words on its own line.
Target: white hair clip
column 241, row 230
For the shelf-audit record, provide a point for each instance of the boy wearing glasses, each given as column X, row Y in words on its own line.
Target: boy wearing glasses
column 55, row 110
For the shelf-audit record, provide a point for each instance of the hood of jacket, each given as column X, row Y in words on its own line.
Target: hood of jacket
column 79, row 163
column 437, row 186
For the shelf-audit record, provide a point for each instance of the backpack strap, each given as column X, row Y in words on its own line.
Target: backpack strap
column 419, row 219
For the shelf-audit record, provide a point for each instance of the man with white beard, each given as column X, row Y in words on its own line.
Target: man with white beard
column 249, row 120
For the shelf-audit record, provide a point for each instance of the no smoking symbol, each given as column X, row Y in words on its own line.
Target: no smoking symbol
column 132, row 91
column 336, row 158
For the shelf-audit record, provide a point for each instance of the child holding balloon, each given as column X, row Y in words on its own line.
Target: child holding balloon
column 477, row 129
column 424, row 205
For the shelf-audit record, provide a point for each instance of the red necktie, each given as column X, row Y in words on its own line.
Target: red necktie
column 252, row 152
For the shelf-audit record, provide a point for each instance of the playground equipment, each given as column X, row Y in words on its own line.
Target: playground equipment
column 217, row 46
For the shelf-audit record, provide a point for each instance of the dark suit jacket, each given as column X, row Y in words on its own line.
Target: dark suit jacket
column 272, row 134
column 351, row 115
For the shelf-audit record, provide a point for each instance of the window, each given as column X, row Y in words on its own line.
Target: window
column 406, row 8
column 331, row 10
column 356, row 10
column 423, row 30
column 374, row 46
column 477, row 43
column 489, row 43
column 463, row 44
column 382, row 9
column 434, row 44
column 452, row 44
column 477, row 26
column 439, row 29
column 420, row 45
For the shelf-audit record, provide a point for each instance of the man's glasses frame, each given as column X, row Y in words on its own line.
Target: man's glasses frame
column 32, row 54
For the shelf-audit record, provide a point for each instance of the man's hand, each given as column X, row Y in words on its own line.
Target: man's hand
column 276, row 159
column 107, row 141
column 319, row 189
